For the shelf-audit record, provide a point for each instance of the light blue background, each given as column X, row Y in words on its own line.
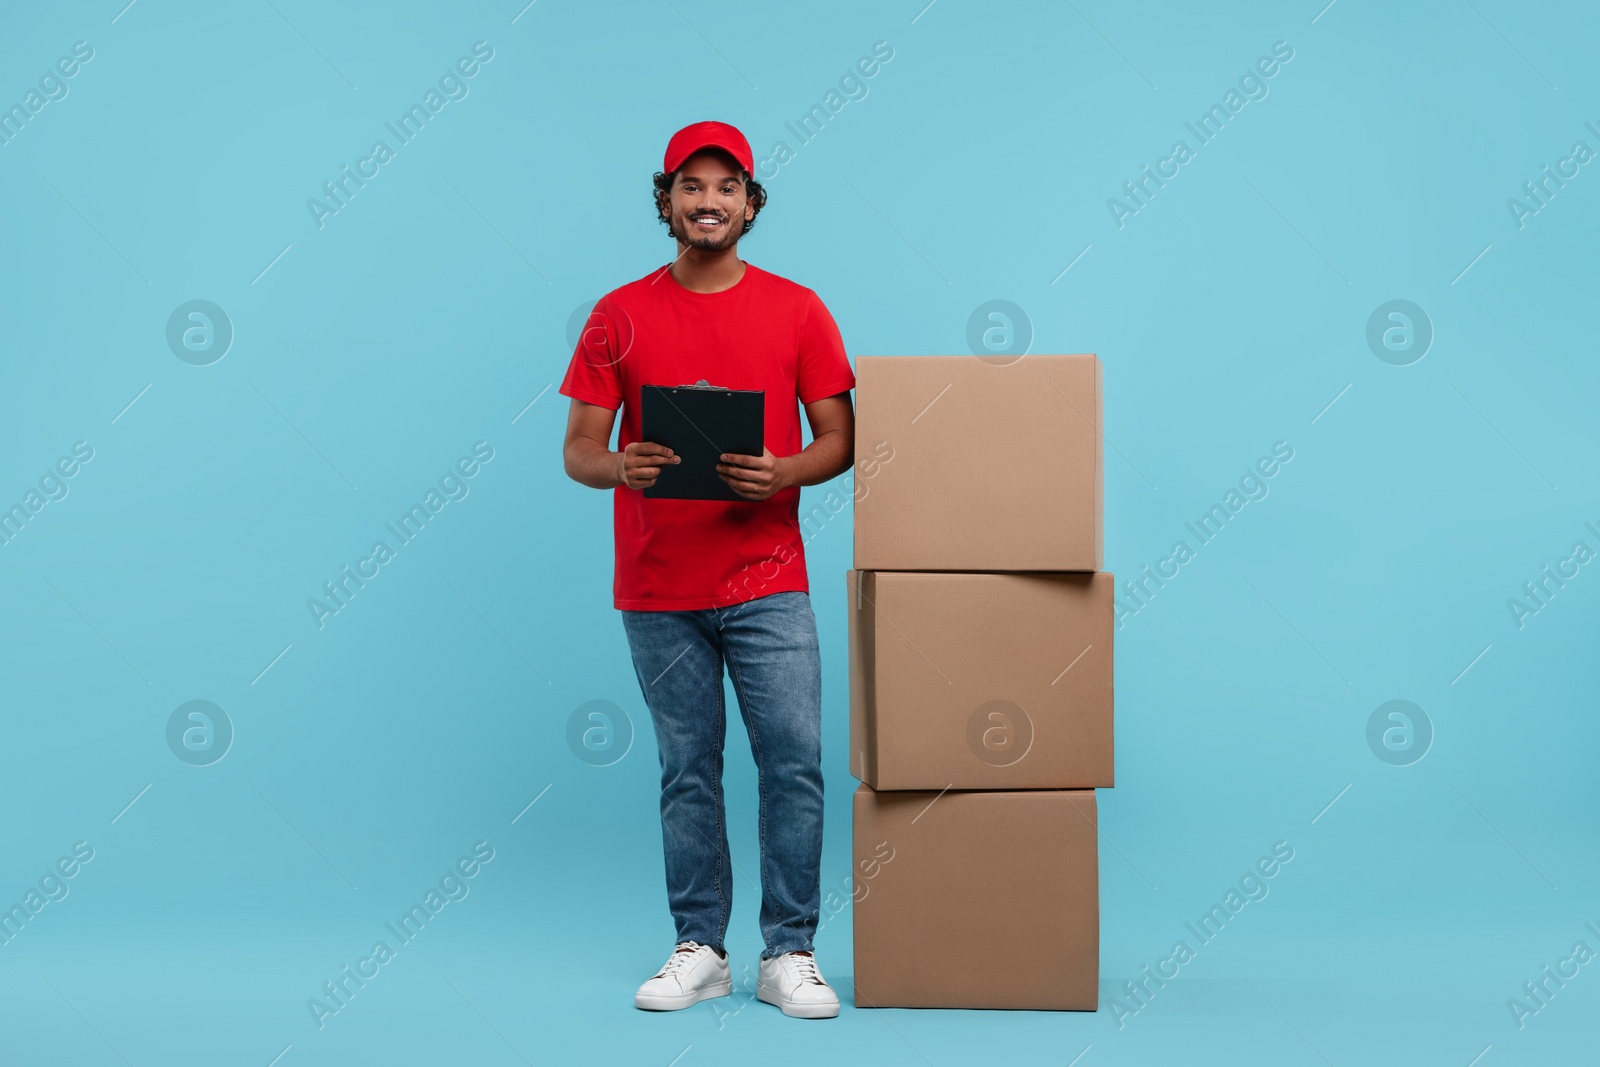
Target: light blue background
column 424, row 317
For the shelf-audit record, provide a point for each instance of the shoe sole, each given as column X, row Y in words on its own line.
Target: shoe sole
column 687, row 1000
column 798, row 1011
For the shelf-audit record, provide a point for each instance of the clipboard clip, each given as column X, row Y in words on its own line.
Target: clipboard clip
column 704, row 386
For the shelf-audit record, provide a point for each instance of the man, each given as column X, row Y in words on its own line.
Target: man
column 701, row 583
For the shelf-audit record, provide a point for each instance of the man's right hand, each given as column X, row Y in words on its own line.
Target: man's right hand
column 641, row 462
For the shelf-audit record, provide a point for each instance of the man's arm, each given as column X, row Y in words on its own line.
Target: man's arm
column 830, row 453
column 588, row 458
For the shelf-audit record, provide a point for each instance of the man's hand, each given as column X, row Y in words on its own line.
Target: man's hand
column 754, row 477
column 641, row 462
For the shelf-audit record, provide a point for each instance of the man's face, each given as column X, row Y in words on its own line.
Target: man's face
column 708, row 206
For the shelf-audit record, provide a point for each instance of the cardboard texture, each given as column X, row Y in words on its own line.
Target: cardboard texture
column 981, row 680
column 976, row 900
column 994, row 466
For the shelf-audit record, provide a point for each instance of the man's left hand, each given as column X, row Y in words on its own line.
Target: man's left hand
column 754, row 477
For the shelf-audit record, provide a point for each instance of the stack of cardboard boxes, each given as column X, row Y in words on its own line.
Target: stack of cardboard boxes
column 980, row 681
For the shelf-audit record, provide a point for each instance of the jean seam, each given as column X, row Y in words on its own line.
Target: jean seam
column 722, row 834
column 761, row 773
column 722, row 820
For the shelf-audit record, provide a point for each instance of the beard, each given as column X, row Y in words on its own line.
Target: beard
column 684, row 229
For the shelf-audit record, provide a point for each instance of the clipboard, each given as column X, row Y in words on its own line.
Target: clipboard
column 700, row 422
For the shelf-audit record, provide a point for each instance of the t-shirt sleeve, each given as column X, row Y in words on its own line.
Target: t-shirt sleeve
column 592, row 375
column 824, row 368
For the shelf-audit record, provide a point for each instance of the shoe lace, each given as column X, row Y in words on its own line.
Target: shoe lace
column 682, row 956
column 805, row 966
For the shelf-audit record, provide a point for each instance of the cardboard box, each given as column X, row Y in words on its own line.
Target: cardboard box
column 968, row 465
column 976, row 900
column 981, row 680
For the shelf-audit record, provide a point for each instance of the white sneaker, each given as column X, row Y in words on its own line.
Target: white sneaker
column 694, row 972
column 791, row 982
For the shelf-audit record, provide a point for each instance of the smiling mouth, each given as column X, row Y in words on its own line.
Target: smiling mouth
column 706, row 222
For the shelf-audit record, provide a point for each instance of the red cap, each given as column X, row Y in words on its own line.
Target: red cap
column 689, row 140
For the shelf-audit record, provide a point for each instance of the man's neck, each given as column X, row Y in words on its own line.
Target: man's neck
column 707, row 272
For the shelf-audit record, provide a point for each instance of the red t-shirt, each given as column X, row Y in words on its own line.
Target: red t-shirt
column 765, row 332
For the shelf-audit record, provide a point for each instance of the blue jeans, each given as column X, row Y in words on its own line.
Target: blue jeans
column 770, row 647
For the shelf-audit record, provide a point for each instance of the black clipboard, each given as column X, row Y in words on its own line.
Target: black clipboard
column 700, row 422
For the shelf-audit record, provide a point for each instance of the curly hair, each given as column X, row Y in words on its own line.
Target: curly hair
column 754, row 190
